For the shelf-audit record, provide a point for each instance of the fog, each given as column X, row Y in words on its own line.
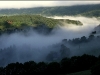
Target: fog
column 31, row 45
column 74, row 31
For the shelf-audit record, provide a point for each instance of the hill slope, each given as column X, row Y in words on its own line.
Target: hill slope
column 87, row 72
column 22, row 21
column 59, row 10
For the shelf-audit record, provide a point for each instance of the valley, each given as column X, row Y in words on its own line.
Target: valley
column 56, row 40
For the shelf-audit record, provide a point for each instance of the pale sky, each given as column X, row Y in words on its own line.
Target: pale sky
column 28, row 4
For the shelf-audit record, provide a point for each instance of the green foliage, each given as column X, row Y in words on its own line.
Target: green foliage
column 76, row 22
column 93, row 13
column 91, row 10
column 21, row 21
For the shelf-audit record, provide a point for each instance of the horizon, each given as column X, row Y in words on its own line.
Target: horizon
column 34, row 4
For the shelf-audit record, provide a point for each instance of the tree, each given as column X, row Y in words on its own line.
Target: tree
column 53, row 68
column 1, row 70
column 65, row 65
column 83, row 39
column 65, row 52
column 14, row 69
column 95, row 70
column 52, row 56
column 91, row 37
column 41, row 67
column 30, row 67
column 76, row 41
column 7, row 24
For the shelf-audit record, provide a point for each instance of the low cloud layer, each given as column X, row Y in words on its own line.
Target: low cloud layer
column 74, row 31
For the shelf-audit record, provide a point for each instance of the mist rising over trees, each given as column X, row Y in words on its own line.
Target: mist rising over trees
column 51, row 44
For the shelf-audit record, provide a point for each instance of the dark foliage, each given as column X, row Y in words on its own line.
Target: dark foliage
column 66, row 65
column 95, row 70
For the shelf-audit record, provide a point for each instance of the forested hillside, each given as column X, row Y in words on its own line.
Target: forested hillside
column 95, row 13
column 58, row 10
column 70, row 45
column 10, row 23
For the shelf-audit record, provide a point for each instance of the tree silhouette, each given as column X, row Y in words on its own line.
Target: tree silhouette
column 53, row 68
column 65, row 51
column 65, row 65
column 41, row 67
column 30, row 67
column 95, row 70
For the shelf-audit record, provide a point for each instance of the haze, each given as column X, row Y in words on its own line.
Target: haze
column 35, row 46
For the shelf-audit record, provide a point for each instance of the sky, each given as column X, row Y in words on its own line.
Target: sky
column 28, row 4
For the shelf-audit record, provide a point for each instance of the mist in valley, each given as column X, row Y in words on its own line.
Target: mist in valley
column 31, row 45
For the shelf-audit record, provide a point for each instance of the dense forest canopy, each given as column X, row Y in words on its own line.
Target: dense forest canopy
column 23, row 21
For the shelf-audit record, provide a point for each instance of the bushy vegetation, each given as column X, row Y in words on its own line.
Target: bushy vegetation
column 65, row 66
column 95, row 70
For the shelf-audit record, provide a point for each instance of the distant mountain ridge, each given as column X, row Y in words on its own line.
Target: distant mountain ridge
column 58, row 10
